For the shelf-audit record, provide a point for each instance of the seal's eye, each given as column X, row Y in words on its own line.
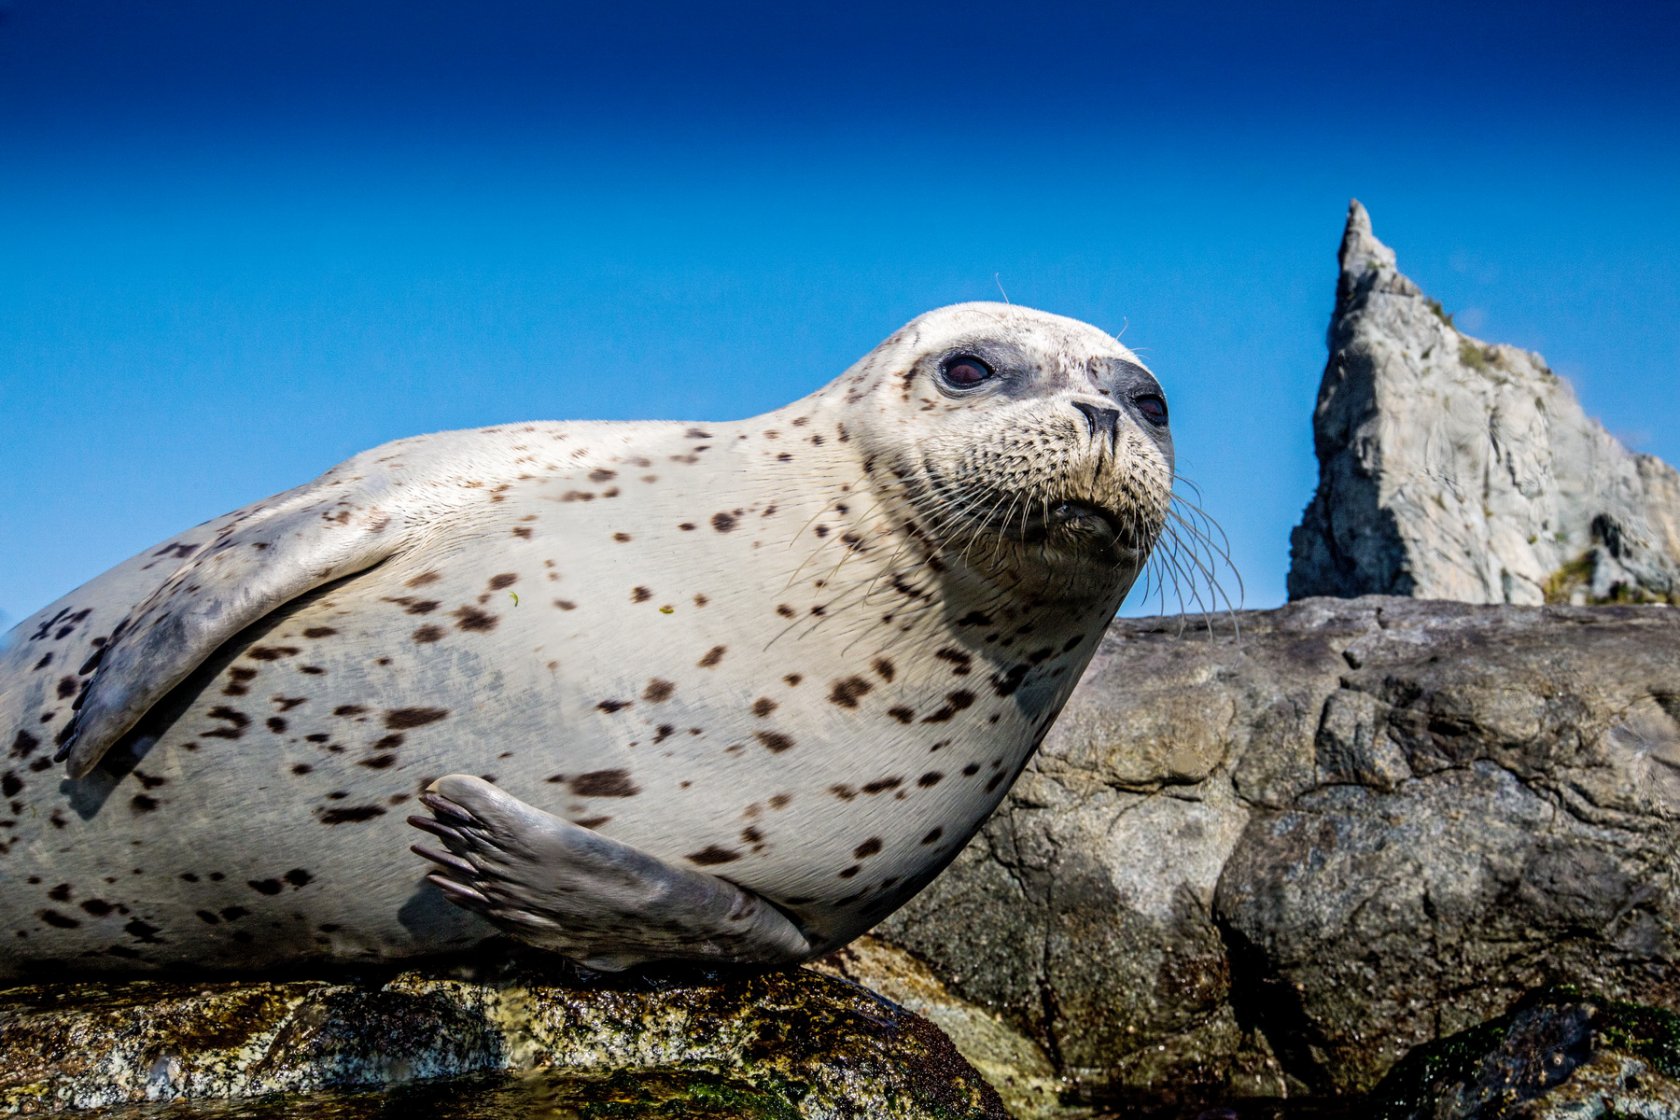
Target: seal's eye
column 965, row 371
column 1152, row 408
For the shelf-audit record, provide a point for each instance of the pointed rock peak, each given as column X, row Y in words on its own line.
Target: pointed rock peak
column 1361, row 251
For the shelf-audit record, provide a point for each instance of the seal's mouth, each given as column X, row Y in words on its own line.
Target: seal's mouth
column 1090, row 525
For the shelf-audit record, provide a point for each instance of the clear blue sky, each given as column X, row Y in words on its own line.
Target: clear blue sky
column 239, row 242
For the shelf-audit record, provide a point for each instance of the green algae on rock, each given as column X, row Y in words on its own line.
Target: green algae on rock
column 791, row 1044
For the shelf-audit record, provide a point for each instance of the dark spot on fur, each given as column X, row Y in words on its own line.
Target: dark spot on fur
column 664, row 731
column 971, row 769
column 355, row 814
column 208, row 918
column 298, row 877
column 658, row 691
column 505, row 580
column 846, row 693
column 302, row 768
column 98, row 907
column 471, row 618
column 901, row 714
column 24, row 745
column 960, row 662
column 264, row 886
column 713, row 656
column 885, row 668
column 775, row 741
column 61, row 921
column 143, row 803
column 723, row 522
column 378, row 762
column 67, row 687
column 882, row 785
column 319, row 632
column 1005, row 684
column 785, row 611
column 141, row 931
column 995, row 781
column 423, row 579
column 11, row 785
column 850, row 871
column 933, row 837
column 237, row 723
column 975, row 618
column 843, row 792
column 276, row 724
column 604, row 783
column 712, row 854
column 763, row 706
column 271, row 653
column 233, row 913
column 640, row 594
column 60, row 893
column 931, row 778
column 868, row 848
column 793, row 680
column 404, row 718
column 428, row 634
column 611, row 706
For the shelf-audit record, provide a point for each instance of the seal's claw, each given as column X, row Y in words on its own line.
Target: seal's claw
column 458, row 891
column 444, row 859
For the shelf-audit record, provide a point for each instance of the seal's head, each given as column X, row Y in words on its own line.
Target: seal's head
column 1030, row 448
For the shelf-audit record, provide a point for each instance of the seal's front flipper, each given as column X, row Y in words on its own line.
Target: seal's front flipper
column 260, row 560
column 569, row 889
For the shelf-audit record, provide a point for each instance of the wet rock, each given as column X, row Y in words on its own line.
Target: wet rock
column 1556, row 1056
column 779, row 1045
column 1268, row 861
column 1451, row 468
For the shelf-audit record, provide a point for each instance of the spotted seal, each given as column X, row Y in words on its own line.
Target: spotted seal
column 724, row 692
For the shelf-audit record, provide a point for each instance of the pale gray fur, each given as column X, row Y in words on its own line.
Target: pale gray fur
column 762, row 678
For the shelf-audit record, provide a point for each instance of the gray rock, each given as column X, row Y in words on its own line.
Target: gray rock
column 1269, row 862
column 782, row 1045
column 1557, row 1056
column 1451, row 468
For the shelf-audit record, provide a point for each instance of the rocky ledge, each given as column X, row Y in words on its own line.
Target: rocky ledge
column 1269, row 859
column 783, row 1045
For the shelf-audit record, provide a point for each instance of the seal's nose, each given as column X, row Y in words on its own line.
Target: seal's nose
column 1099, row 418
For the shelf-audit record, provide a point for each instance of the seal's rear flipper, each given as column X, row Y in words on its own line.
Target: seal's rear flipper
column 571, row 890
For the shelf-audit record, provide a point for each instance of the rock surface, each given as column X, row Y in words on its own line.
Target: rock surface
column 1450, row 468
column 1557, row 1056
column 1269, row 861
column 781, row 1045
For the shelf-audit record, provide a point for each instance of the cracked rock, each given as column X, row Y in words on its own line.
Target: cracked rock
column 1272, row 859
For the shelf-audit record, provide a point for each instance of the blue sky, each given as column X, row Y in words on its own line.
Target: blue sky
column 240, row 242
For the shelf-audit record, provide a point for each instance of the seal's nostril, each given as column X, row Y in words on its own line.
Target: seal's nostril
column 1098, row 418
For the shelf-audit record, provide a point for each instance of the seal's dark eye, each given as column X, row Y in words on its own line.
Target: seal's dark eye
column 965, row 371
column 1152, row 408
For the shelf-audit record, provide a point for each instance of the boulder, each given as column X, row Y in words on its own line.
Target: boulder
column 1452, row 468
column 1270, row 859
